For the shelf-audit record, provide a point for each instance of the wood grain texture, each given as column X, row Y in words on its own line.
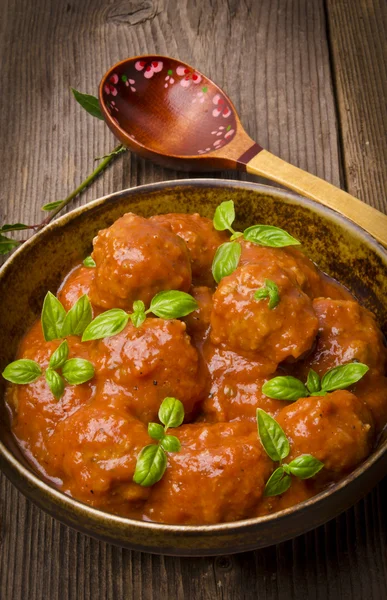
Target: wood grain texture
column 358, row 34
column 271, row 57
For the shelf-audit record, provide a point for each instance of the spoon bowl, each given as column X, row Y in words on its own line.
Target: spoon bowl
column 169, row 112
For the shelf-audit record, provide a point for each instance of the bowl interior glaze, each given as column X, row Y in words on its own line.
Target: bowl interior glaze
column 340, row 248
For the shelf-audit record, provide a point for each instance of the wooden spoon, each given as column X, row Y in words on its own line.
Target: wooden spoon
column 165, row 110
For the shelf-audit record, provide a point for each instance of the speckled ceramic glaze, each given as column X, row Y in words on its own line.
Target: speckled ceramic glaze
column 339, row 247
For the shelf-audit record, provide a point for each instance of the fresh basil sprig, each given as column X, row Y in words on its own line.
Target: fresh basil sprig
column 152, row 460
column 226, row 260
column 169, row 304
column 269, row 290
column 89, row 262
column 57, row 324
column 268, row 235
column 74, row 370
column 291, row 389
column 277, row 447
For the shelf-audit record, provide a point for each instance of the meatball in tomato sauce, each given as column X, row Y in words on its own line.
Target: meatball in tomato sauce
column 202, row 241
column 219, row 475
column 151, row 362
column 244, row 323
column 135, row 259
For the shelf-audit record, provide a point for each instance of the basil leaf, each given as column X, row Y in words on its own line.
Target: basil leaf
column 106, row 324
column 313, row 382
column 55, row 383
column 278, row 483
column 269, row 290
column 226, row 260
column 77, row 370
column 89, row 103
column 272, row 436
column 305, row 466
column 150, row 466
column 7, row 244
column 343, row 376
column 224, row 216
column 59, row 356
column 138, row 306
column 171, row 412
column 236, row 235
column 53, row 316
column 13, row 227
column 285, row 388
column 23, row 370
column 51, row 205
column 78, row 317
column 138, row 318
column 268, row 235
column 171, row 443
column 156, row 431
column 89, row 262
column 172, row 304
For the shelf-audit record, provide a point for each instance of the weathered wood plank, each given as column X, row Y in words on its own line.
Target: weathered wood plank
column 358, row 34
column 271, row 56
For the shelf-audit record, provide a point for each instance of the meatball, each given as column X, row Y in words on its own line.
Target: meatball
column 35, row 410
column 294, row 262
column 151, row 362
column 76, row 284
column 236, row 386
column 372, row 389
column 218, row 475
column 136, row 258
column 299, row 491
column 336, row 429
column 95, row 452
column 246, row 324
column 202, row 241
column 347, row 332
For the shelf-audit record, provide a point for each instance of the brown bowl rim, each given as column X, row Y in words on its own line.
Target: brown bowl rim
column 234, row 526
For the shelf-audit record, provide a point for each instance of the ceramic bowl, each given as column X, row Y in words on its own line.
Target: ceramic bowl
column 339, row 247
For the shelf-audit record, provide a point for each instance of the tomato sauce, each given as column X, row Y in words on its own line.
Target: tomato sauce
column 215, row 361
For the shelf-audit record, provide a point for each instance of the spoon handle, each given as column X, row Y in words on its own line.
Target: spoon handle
column 270, row 166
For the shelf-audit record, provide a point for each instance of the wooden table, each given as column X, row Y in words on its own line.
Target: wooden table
column 309, row 79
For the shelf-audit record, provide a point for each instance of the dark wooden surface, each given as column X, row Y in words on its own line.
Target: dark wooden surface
column 309, row 79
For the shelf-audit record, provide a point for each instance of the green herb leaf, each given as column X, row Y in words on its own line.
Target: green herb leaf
column 78, row 317
column 171, row 443
column 89, row 262
column 272, row 436
column 138, row 306
column 171, row 412
column 138, row 318
column 23, row 370
column 224, row 216
column 89, row 103
column 278, row 483
column 285, row 388
column 51, row 205
column 172, row 304
column 313, row 382
column 305, row 466
column 268, row 235
column 226, row 260
column 106, row 324
column 55, row 383
column 13, row 227
column 269, row 290
column 59, row 356
column 343, row 376
column 53, row 316
column 156, row 431
column 7, row 244
column 150, row 466
column 77, row 371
